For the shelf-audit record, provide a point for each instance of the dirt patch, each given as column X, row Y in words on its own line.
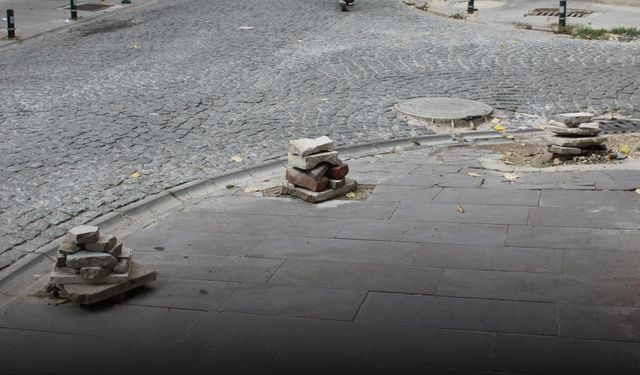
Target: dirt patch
column 528, row 152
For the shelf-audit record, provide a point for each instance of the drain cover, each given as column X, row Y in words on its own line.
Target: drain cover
column 554, row 12
column 619, row 126
column 91, row 7
column 450, row 111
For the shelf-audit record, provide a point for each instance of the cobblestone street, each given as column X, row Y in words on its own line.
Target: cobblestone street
column 177, row 91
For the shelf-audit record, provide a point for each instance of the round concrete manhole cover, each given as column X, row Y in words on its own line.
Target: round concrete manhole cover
column 444, row 110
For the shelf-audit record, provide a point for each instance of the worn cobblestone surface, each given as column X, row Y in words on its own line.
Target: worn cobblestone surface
column 174, row 90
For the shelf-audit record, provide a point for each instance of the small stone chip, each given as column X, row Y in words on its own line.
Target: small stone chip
column 68, row 248
column 84, row 234
column 117, row 250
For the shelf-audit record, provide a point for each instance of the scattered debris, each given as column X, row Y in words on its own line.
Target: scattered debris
column 511, row 177
column 136, row 174
column 230, row 186
column 92, row 266
column 315, row 172
column 460, row 209
column 236, row 158
column 474, row 174
column 245, row 28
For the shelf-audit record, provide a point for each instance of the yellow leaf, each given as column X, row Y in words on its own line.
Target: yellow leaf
column 625, row 149
column 500, row 128
column 638, row 190
column 136, row 174
column 511, row 177
column 460, row 209
column 351, row 194
column 251, row 189
column 236, row 158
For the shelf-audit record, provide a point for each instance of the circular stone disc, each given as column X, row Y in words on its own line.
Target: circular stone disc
column 443, row 109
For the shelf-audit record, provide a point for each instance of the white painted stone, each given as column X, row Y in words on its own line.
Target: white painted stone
column 306, row 146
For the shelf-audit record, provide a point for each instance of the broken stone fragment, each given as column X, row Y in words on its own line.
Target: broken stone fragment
column 573, row 119
column 69, row 270
column 309, row 162
column 116, row 250
column 319, row 170
column 338, row 172
column 126, row 253
column 337, row 184
column 122, row 266
column 68, row 248
column 564, row 150
column 589, row 129
column 90, row 259
column 95, row 273
column 305, row 146
column 300, row 178
column 576, row 142
column 105, row 243
column 84, row 234
column 61, row 259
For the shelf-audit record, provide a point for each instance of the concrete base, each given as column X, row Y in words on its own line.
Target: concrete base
column 446, row 111
column 321, row 196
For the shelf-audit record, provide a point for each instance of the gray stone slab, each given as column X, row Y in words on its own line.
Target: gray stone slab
column 615, row 218
column 119, row 321
column 183, row 294
column 538, row 287
column 599, row 322
column 309, row 162
column 356, row 251
column 414, row 231
column 573, row 238
column 357, row 276
column 151, row 239
column 602, row 264
column 399, row 193
column 496, row 258
column 545, row 180
column 295, row 207
column 472, row 213
column 459, row 313
column 297, row 226
column 306, row 146
column 554, row 355
column 590, row 199
column 210, row 267
column 295, row 302
column 346, row 340
column 489, row 196
column 620, row 180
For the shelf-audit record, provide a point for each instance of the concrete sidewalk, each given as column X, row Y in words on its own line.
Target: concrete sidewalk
column 34, row 17
column 603, row 16
column 537, row 276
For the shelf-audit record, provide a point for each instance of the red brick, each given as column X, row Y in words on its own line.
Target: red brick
column 337, row 172
column 299, row 178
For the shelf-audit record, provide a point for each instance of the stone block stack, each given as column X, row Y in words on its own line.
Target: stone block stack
column 90, row 258
column 574, row 134
column 315, row 172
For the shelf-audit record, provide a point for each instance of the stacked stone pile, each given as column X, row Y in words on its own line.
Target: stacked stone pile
column 315, row 172
column 574, row 134
column 91, row 257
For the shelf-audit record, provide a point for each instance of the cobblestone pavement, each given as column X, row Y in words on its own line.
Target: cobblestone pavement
column 175, row 90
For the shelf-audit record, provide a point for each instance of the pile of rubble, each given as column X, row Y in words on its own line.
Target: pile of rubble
column 315, row 172
column 575, row 134
column 91, row 266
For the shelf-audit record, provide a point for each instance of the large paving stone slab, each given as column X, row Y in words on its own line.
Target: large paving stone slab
column 325, row 249
column 357, row 276
column 296, row 302
column 343, row 339
column 297, row 226
column 183, row 294
column 590, row 199
column 118, row 321
column 472, row 213
column 539, row 287
column 556, row 355
column 615, row 218
column 496, row 258
column 445, row 180
column 459, row 313
column 296, row 207
column 210, row 267
column 414, row 231
column 599, row 322
column 204, row 243
column 602, row 264
column 488, row 196
column 399, row 193
column 573, row 238
column 620, row 180
column 545, row 180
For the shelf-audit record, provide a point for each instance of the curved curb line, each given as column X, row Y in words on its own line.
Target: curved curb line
column 143, row 212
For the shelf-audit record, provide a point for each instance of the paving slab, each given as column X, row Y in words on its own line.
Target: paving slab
column 358, row 276
column 555, row 355
column 471, row 213
column 415, row 231
column 488, row 196
column 325, row 249
column 296, row 302
column 590, row 199
column 573, row 238
column 496, row 258
column 346, row 340
column 523, row 286
column 397, row 193
column 599, row 322
column 601, row 264
column 614, row 218
column 459, row 313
